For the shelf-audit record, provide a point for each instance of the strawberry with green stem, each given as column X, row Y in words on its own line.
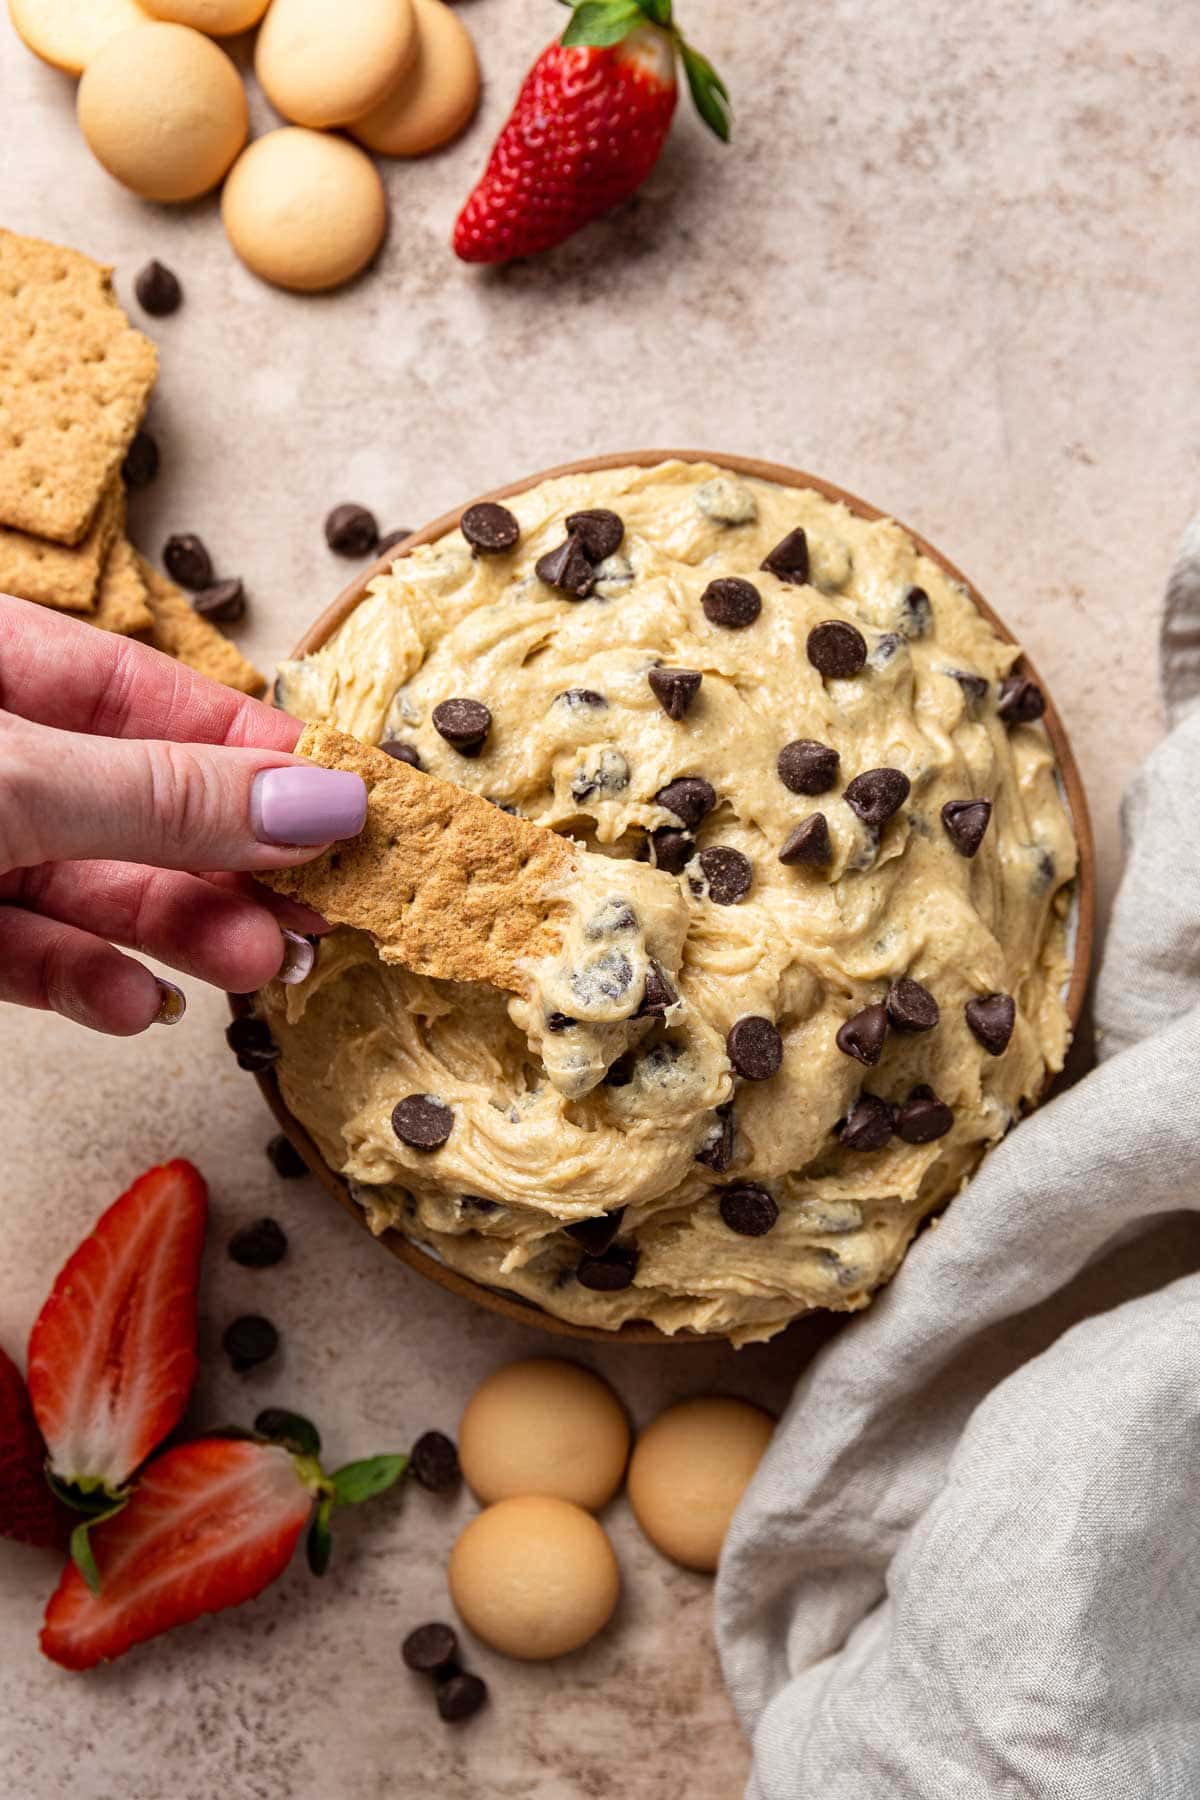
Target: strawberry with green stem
column 587, row 128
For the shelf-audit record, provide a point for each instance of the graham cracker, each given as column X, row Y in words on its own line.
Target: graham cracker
column 34, row 568
column 121, row 600
column 444, row 882
column 183, row 634
column 76, row 378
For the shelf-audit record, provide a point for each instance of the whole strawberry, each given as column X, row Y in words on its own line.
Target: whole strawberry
column 587, row 128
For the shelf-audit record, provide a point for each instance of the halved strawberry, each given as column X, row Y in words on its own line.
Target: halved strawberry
column 112, row 1356
column 28, row 1510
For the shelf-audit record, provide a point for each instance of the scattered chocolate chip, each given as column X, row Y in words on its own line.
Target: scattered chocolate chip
column 923, row 1117
column 868, row 1125
column 433, row 1464
column 284, row 1157
column 609, row 1273
column 157, row 289
column 1021, row 700
column 809, row 843
column 567, row 569
column 430, row 1648
column 489, row 528
column 249, row 1341
column 657, row 995
column 789, row 558
column 748, row 1210
column 422, row 1121
column 460, row 1696
column 598, row 530
column 675, row 689
column 716, row 1152
column 754, row 1047
column 807, row 767
column 689, row 797
column 402, row 752
column 916, row 613
column 291, row 1429
column 224, row 602
column 731, row 602
column 391, row 539
column 587, row 698
column 558, row 1021
column 876, row 795
column 187, row 561
column 728, row 873
column 463, row 723
column 863, row 1033
column 836, row 649
column 974, row 687
column 965, row 822
column 141, row 461
column 911, row 1007
column 251, row 1041
column 597, row 1235
column 620, row 1073
column 992, row 1018
column 351, row 530
column 261, row 1245
column 670, row 849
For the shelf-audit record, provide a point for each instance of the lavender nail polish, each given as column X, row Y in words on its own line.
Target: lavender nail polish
column 298, row 805
column 299, row 955
column 173, row 1004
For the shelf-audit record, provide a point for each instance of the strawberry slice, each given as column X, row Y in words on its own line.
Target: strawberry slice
column 209, row 1525
column 28, row 1510
column 112, row 1356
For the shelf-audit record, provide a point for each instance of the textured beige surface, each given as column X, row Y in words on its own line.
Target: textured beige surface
column 949, row 266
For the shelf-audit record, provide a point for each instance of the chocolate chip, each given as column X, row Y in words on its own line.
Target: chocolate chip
column 916, row 613
column 716, row 1152
column 422, row 1121
column 729, row 874
column 657, row 994
column 567, row 569
column 965, row 822
column 433, row 1464
column 607, row 978
column 863, row 1033
column 876, row 795
column 263, row 1244
column 731, row 602
column 1021, row 700
column 587, row 698
column 885, row 649
column 614, row 918
column 284, row 1158
column 460, row 1697
column 911, row 1007
column 141, row 461
column 391, row 539
column 477, row 1203
column 351, row 530
column 809, row 843
column 689, row 797
column 224, row 602
column 789, row 558
column 755, row 1048
column 291, row 1429
column 609, row 774
column 157, row 289
column 489, row 528
column 992, row 1019
column 670, row 849
column 609, row 1273
column 675, row 689
column 251, row 1041
column 836, row 649
column 974, row 687
column 598, row 530
column 402, row 752
column 807, row 767
column 597, row 1235
column 249, row 1341
column 923, row 1117
column 748, row 1210
column 463, row 723
column 620, row 1073
column 868, row 1125
column 558, row 1021
column 430, row 1648
column 187, row 561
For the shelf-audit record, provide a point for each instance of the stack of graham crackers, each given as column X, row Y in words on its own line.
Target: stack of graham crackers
column 75, row 378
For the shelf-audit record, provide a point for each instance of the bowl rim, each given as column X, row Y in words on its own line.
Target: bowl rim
column 513, row 1306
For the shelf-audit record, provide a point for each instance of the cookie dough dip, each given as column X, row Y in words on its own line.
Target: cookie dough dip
column 795, row 745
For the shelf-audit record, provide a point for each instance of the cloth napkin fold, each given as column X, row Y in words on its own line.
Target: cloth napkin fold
column 969, row 1564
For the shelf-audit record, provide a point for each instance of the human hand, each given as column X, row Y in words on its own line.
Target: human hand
column 136, row 801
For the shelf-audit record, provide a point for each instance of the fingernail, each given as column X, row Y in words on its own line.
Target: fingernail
column 299, row 955
column 300, row 805
column 173, row 1004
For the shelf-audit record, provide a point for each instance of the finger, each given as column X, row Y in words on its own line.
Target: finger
column 290, row 913
column 58, row 968
column 65, row 798
column 61, row 672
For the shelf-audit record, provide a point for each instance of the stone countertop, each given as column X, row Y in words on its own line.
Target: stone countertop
column 950, row 265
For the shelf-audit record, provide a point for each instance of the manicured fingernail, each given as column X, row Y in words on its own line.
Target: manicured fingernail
column 173, row 1004
column 300, row 805
column 299, row 955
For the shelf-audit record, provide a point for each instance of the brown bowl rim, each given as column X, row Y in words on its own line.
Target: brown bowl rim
column 513, row 1306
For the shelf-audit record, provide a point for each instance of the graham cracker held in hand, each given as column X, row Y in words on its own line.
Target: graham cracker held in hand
column 122, row 604
column 76, row 378
column 445, row 883
column 183, row 634
column 57, row 575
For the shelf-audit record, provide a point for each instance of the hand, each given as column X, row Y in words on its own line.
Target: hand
column 119, row 770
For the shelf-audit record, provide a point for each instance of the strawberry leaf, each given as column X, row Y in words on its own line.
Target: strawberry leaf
column 600, row 23
column 292, row 1430
column 88, row 1497
column 359, row 1481
column 708, row 91
column 657, row 11
column 320, row 1538
column 82, row 1554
